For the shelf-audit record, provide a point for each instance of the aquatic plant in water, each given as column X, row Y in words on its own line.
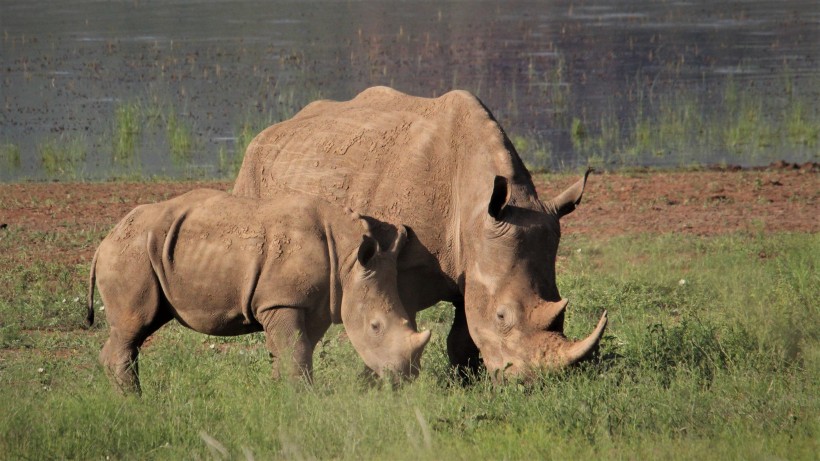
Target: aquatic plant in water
column 801, row 130
column 127, row 127
column 62, row 157
column 537, row 152
column 685, row 127
column 180, row 138
column 10, row 156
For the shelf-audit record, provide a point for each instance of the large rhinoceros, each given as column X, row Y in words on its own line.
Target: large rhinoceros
column 225, row 265
column 481, row 238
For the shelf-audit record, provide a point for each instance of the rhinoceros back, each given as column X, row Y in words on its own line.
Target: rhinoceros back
column 422, row 162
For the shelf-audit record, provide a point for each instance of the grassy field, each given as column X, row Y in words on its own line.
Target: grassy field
column 713, row 351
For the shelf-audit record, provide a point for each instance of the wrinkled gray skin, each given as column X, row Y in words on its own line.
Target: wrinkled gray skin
column 224, row 265
column 480, row 236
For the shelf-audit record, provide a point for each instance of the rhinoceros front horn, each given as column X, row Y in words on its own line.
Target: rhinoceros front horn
column 579, row 350
column 420, row 340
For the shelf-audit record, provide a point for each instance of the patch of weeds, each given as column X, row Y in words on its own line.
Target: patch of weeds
column 289, row 102
column 642, row 141
column 671, row 125
column 246, row 132
column 229, row 163
column 578, row 133
column 62, row 158
column 127, row 128
column 536, row 153
column 683, row 126
column 11, row 336
column 438, row 320
column 746, row 130
column 10, row 156
column 559, row 90
column 180, row 138
column 801, row 129
column 790, row 327
column 153, row 113
column 694, row 346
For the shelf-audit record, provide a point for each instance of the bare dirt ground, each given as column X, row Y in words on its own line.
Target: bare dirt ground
column 700, row 203
column 779, row 199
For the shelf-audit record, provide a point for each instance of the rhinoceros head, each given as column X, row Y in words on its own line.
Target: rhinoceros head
column 374, row 317
column 518, row 322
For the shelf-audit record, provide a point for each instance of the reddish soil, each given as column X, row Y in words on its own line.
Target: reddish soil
column 703, row 203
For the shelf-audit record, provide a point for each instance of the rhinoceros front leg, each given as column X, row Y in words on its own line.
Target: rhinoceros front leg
column 461, row 349
column 288, row 342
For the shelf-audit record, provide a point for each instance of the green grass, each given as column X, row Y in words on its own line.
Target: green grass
column 712, row 352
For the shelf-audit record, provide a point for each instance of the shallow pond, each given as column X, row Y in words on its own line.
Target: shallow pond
column 94, row 90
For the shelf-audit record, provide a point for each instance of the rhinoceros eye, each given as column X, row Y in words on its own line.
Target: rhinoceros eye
column 375, row 326
column 504, row 318
column 501, row 314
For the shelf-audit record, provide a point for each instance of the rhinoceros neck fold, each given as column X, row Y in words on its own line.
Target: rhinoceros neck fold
column 335, row 283
column 343, row 236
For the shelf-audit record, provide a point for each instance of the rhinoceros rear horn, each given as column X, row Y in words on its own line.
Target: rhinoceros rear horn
column 581, row 349
column 549, row 316
column 565, row 202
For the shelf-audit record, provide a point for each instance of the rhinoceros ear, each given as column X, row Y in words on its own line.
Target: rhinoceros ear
column 401, row 239
column 368, row 248
column 566, row 201
column 500, row 197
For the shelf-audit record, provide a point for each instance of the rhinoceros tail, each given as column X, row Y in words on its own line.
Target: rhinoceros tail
column 92, row 280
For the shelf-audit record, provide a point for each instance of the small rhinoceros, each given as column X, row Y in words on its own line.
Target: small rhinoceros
column 225, row 266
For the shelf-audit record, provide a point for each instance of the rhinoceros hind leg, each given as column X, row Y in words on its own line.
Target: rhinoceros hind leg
column 120, row 353
column 461, row 349
column 288, row 342
column 120, row 363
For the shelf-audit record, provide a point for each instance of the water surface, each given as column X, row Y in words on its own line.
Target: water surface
column 609, row 82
